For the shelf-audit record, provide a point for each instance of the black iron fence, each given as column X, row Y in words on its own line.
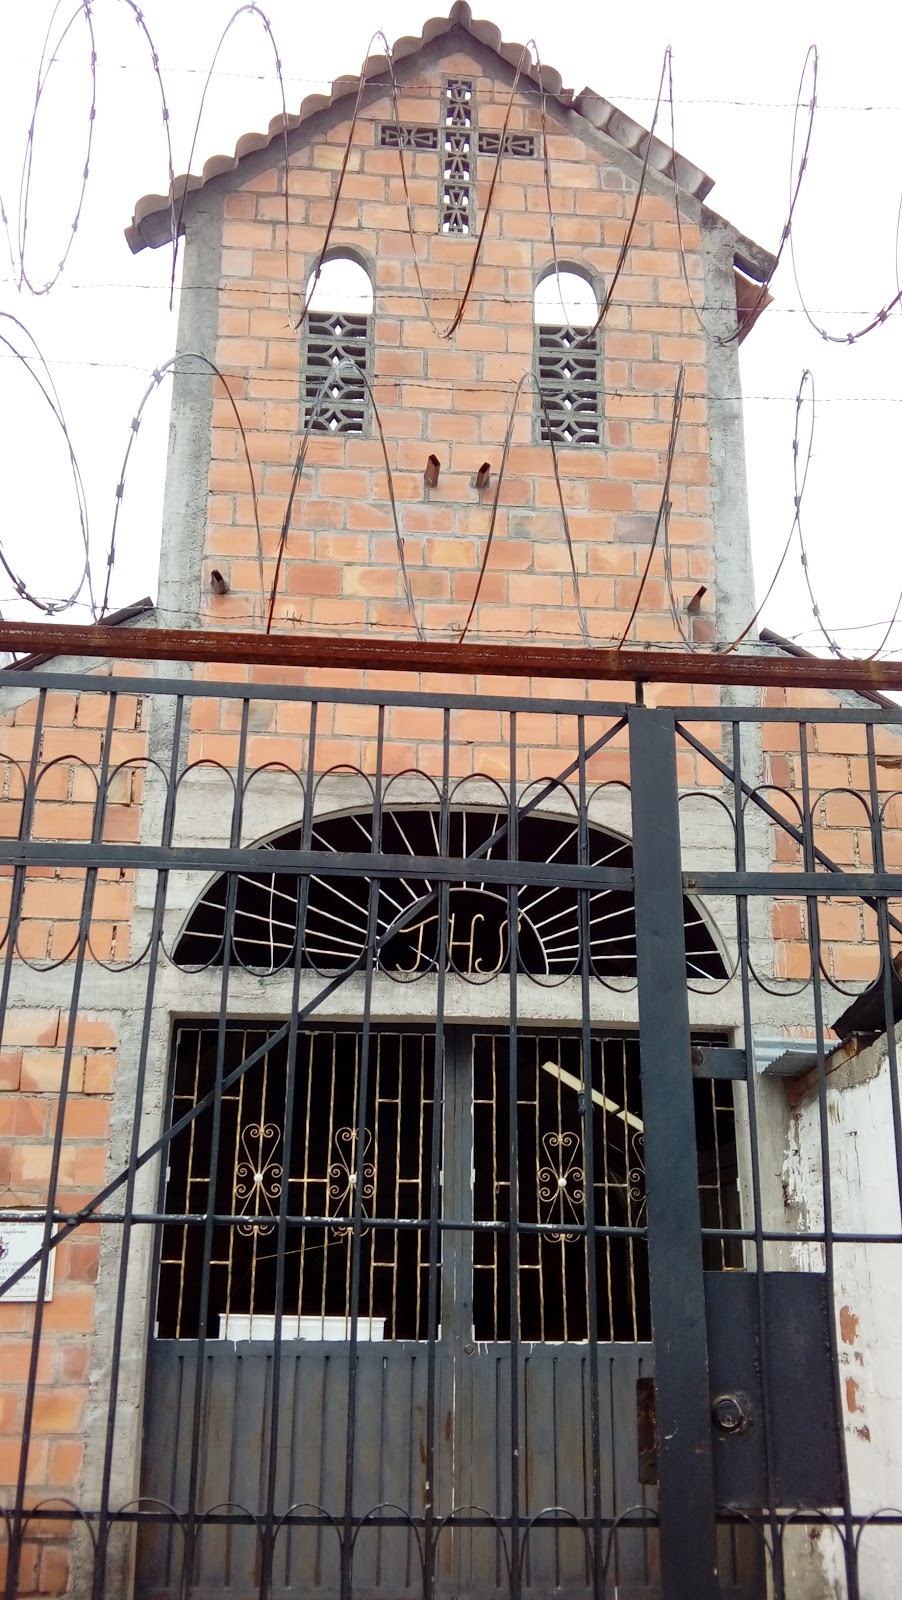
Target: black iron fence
column 430, row 1160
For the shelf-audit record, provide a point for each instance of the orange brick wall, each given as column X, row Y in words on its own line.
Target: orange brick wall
column 839, row 780
column 67, row 752
column 454, row 397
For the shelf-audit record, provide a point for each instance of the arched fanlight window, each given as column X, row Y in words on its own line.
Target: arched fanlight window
column 567, row 358
column 338, row 347
column 477, row 932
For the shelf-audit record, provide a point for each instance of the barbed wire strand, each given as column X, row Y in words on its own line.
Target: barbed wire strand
column 49, row 393
column 349, row 367
column 44, row 70
column 324, row 82
column 489, row 384
column 795, row 186
column 17, row 253
column 879, row 317
column 251, row 9
column 528, row 377
column 628, row 236
column 889, row 628
column 664, row 507
column 159, row 374
column 798, row 495
column 668, row 579
column 807, row 378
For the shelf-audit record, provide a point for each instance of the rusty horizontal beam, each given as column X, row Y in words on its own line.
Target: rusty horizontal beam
column 442, row 656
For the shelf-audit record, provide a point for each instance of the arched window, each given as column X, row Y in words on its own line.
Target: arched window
column 567, row 358
column 338, row 347
column 264, row 921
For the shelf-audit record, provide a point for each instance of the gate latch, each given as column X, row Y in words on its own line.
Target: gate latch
column 731, row 1413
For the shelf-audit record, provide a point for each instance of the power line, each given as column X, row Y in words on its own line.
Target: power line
column 325, row 82
column 500, row 385
column 400, row 292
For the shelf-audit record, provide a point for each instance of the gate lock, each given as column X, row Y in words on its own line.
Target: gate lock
column 731, row 1413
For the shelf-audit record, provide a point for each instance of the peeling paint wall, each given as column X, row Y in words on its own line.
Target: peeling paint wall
column 864, row 1194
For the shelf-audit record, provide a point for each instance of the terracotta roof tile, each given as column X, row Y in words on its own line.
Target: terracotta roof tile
column 152, row 220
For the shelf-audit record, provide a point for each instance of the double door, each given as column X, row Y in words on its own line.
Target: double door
column 464, row 1315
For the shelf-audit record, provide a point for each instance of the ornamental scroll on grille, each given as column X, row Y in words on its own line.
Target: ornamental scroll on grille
column 343, row 1177
column 561, row 1184
column 258, row 1177
column 635, row 1177
column 333, row 338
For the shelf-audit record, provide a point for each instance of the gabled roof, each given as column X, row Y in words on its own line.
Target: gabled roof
column 152, row 221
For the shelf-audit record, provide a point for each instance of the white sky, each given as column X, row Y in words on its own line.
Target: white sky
column 106, row 324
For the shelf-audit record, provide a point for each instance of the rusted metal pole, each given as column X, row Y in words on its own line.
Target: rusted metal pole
column 442, row 656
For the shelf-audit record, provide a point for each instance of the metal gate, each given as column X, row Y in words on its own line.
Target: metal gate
column 570, row 1397
column 464, row 1305
column 458, row 1382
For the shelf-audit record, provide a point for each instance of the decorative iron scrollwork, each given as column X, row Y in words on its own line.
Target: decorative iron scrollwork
column 258, row 1178
column 343, row 1176
column 562, row 1194
column 635, row 1177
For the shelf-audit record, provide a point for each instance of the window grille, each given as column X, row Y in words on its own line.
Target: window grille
column 264, row 926
column 568, row 363
column 316, row 1160
column 551, row 1180
column 335, row 337
column 457, row 193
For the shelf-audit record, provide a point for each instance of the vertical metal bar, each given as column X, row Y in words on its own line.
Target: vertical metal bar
column 587, row 1115
column 159, row 907
column 84, row 929
column 303, row 890
column 372, row 924
column 682, row 1396
column 191, row 1518
column 886, row 958
column 435, row 1193
column 742, row 920
column 814, row 936
column 513, row 854
column 15, row 1524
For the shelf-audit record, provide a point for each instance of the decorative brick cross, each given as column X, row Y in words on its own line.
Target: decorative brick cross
column 457, row 131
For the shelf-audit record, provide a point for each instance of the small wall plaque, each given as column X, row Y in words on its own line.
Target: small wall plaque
column 18, row 1242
